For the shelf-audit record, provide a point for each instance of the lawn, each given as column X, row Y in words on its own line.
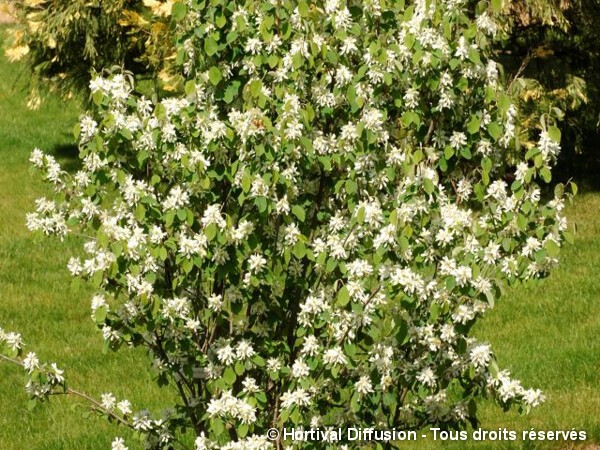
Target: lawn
column 547, row 335
column 36, row 296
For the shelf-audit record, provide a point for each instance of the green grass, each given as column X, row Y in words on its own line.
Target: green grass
column 547, row 335
column 36, row 298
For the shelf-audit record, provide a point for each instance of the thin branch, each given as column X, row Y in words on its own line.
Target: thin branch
column 523, row 66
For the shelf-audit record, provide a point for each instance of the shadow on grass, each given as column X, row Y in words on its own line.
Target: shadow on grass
column 68, row 156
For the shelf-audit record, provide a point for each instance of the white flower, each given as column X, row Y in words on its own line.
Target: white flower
column 334, row 356
column 212, row 214
column 202, row 442
column 531, row 246
column 228, row 405
column 56, row 374
column 177, row 198
column 98, row 302
column 125, row 407
column 37, row 158
column 274, row 364
column 108, row 401
column 458, row 140
column 31, row 362
column 534, row 397
column 480, row 355
column 226, row 354
column 291, row 233
column 14, row 340
column 411, row 98
column 88, row 127
column 300, row 369
column 256, row 262
column 299, row 397
column 250, row 386
column 253, row 45
column 359, row 268
column 119, row 444
column 427, row 377
column 509, row 389
column 215, row 302
column 244, row 350
column 463, row 314
column 348, row 46
column 364, row 386
column 310, row 346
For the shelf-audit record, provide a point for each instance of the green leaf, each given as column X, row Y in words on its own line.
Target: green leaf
column 217, row 426
column 465, row 152
column 354, row 402
column 215, row 75
column 303, row 9
column 434, row 312
column 495, row 130
column 331, row 265
column 140, row 212
column 351, row 186
column 569, row 237
column 552, row 248
column 574, row 188
column 229, row 375
column 428, row 186
column 246, row 182
column 299, row 250
column 231, row 92
column 100, row 314
column 242, row 430
column 220, row 21
column 261, row 203
column 402, row 335
column 210, row 46
column 256, row 88
column 97, row 97
column 343, row 296
column 531, row 153
column 546, row 174
column 231, row 36
column 474, row 123
column 239, row 368
column 554, row 133
column 178, row 11
column 410, row 117
column 448, row 152
column 298, row 211
column 210, row 231
column 490, row 298
column 443, row 163
column 272, row 60
column 360, row 216
column 162, row 253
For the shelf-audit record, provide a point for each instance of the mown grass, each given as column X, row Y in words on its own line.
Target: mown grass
column 547, row 335
column 36, row 298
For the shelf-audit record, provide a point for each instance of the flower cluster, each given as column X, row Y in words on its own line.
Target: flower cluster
column 314, row 226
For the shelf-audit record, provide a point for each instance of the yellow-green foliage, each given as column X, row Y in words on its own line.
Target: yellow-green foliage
column 63, row 41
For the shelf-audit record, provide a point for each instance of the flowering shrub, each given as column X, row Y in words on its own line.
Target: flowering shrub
column 308, row 235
